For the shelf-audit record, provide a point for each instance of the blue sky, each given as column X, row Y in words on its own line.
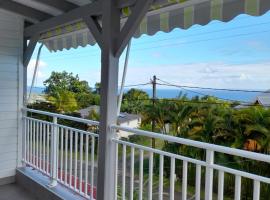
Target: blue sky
column 221, row 55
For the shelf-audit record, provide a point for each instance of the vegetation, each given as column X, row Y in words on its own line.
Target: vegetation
column 69, row 93
column 205, row 119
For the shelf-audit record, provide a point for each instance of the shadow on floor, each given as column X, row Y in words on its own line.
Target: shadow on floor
column 14, row 192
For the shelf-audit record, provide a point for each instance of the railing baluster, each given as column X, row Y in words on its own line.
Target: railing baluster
column 131, row 173
column 31, row 142
column 61, row 153
column 25, row 138
column 220, row 185
column 256, row 190
column 48, row 147
column 70, row 158
column 141, row 176
column 237, row 194
column 37, row 145
column 86, row 165
column 150, row 186
column 184, row 180
column 172, row 178
column 28, row 141
column 198, row 182
column 81, row 160
column 161, row 166
column 209, row 175
column 44, row 147
column 76, row 160
column 92, row 165
column 66, row 155
column 124, row 172
column 34, row 144
column 116, row 172
column 40, row 145
column 54, row 153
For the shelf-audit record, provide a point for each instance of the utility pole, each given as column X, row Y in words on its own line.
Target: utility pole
column 154, row 97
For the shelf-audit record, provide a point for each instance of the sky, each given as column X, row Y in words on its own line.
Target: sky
column 234, row 55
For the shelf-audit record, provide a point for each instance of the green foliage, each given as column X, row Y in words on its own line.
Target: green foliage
column 64, row 101
column 61, row 86
column 65, row 81
column 134, row 101
column 93, row 115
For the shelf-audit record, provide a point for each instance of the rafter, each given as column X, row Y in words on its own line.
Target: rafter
column 71, row 16
column 24, row 10
column 61, row 5
column 94, row 28
column 131, row 25
column 28, row 51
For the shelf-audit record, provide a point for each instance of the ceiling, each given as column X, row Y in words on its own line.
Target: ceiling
column 40, row 10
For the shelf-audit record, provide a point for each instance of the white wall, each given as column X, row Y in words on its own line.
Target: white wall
column 11, row 41
column 131, row 124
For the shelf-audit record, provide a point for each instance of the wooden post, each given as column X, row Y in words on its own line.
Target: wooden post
column 108, row 105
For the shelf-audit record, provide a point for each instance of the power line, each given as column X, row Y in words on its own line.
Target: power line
column 205, row 40
column 142, row 84
column 175, row 44
column 172, row 100
column 179, row 86
column 216, row 89
column 204, row 33
column 173, row 38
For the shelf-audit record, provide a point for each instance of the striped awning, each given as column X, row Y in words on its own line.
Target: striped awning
column 164, row 15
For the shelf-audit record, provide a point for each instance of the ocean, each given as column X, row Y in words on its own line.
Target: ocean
column 174, row 93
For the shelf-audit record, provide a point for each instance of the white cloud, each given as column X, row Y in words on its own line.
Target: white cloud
column 41, row 76
column 219, row 75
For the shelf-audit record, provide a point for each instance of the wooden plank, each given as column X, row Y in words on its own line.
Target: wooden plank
column 8, row 123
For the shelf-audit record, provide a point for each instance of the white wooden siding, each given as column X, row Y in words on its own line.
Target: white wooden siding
column 11, row 40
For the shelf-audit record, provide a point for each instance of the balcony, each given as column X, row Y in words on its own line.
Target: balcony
column 68, row 157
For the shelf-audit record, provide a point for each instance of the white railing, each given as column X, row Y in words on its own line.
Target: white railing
column 65, row 154
column 68, row 156
column 145, row 189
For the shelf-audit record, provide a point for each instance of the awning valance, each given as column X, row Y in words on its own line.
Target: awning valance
column 165, row 15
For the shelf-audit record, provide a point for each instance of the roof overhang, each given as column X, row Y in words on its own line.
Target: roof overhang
column 61, row 26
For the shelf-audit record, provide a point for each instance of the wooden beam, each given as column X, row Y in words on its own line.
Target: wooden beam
column 94, row 28
column 131, row 25
column 74, row 15
column 28, row 51
column 24, row 10
column 61, row 5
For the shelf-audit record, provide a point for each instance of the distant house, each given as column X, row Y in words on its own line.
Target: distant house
column 124, row 119
column 262, row 99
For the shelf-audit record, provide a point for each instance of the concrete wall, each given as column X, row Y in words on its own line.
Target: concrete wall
column 11, row 84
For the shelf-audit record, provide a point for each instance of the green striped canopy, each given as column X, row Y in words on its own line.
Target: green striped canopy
column 164, row 15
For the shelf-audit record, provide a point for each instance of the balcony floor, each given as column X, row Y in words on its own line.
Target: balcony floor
column 14, row 192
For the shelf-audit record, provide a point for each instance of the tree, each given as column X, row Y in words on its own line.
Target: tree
column 134, row 101
column 65, row 81
column 64, row 101
column 97, row 88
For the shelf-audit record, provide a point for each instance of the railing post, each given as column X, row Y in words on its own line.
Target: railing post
column 24, row 132
column 54, row 157
column 209, row 175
